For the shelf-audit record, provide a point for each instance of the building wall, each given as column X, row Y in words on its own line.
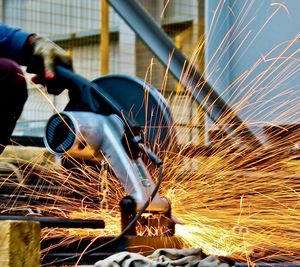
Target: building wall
column 253, row 58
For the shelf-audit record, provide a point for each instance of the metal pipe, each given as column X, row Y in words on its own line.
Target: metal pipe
column 162, row 46
column 58, row 222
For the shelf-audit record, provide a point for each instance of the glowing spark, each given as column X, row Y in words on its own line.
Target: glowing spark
column 282, row 6
column 164, row 8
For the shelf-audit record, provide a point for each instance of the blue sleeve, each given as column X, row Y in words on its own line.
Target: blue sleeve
column 12, row 42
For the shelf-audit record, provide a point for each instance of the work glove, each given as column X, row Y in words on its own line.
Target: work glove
column 49, row 55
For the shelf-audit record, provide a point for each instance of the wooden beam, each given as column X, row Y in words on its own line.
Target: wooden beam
column 20, row 244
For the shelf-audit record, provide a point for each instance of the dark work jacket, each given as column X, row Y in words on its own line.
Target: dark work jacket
column 12, row 43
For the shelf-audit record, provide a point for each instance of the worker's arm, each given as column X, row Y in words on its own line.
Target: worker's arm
column 20, row 46
column 12, row 43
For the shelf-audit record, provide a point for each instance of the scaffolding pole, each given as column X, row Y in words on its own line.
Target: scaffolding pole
column 104, row 38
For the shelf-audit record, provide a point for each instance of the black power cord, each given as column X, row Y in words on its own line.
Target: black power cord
column 131, row 224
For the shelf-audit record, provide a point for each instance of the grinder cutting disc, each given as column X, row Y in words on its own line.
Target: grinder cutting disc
column 145, row 105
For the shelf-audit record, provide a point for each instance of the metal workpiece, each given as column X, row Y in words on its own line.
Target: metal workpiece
column 53, row 222
column 162, row 46
column 86, row 135
column 150, row 223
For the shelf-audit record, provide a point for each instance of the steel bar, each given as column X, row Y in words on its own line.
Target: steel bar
column 266, row 264
column 27, row 141
column 162, row 46
column 144, row 245
column 84, row 260
column 58, row 222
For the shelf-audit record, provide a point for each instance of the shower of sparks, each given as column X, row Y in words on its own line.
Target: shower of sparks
column 234, row 212
column 234, row 201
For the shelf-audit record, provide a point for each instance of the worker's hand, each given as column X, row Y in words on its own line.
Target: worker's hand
column 51, row 55
column 46, row 56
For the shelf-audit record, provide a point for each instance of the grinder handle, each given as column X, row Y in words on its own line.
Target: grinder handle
column 88, row 96
column 83, row 94
column 80, row 90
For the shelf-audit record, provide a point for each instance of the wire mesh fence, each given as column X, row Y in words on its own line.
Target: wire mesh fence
column 77, row 27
